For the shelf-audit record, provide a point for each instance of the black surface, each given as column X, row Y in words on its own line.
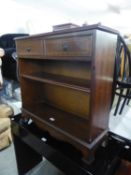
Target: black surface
column 64, row 156
column 26, row 157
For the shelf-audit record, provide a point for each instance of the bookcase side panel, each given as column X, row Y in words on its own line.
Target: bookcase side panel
column 102, row 79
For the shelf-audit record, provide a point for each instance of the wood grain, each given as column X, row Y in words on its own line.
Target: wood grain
column 102, row 79
column 69, row 46
column 30, row 48
column 67, row 76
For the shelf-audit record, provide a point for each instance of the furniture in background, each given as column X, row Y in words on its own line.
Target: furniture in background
column 10, row 92
column 9, row 62
column 66, row 81
column 5, row 113
column 1, row 55
column 7, row 157
column 64, row 26
column 122, row 77
column 5, row 126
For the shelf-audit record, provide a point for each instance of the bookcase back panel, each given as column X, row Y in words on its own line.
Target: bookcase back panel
column 66, row 99
column 78, row 69
column 69, row 100
column 29, row 89
column 65, row 123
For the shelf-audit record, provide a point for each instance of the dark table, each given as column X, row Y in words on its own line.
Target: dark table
column 31, row 144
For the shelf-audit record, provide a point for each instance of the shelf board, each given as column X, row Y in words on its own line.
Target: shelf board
column 57, row 58
column 68, row 124
column 73, row 83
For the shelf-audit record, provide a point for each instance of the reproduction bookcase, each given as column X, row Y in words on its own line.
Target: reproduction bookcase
column 66, row 83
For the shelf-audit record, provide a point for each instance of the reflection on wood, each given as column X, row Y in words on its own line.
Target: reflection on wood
column 124, row 169
column 70, row 73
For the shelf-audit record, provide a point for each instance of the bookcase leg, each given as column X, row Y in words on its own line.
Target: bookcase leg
column 88, row 159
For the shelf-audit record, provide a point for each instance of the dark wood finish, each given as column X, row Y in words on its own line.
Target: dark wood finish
column 57, row 96
column 69, row 46
column 124, row 168
column 72, row 83
column 67, row 91
column 31, row 48
column 77, row 29
column 78, row 70
column 102, row 78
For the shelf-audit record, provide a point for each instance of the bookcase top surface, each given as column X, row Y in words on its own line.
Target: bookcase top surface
column 71, row 30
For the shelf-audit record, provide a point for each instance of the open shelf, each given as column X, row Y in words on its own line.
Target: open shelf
column 73, row 83
column 62, row 91
column 71, row 125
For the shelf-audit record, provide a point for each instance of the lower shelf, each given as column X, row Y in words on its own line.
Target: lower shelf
column 67, row 123
column 64, row 126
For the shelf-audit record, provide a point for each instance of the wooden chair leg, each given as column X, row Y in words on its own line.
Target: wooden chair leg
column 124, row 102
column 128, row 101
column 118, row 102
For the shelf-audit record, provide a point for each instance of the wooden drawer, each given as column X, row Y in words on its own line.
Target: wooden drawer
column 69, row 46
column 30, row 48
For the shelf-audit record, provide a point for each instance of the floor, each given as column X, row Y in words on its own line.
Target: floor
column 118, row 124
column 8, row 161
column 44, row 168
column 8, row 165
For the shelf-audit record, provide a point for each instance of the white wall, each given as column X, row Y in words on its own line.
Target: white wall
column 38, row 16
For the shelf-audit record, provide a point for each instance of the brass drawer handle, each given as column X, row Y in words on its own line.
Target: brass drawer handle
column 28, row 49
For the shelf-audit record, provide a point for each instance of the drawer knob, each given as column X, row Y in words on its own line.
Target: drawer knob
column 52, row 119
column 28, row 49
column 65, row 47
column 44, row 139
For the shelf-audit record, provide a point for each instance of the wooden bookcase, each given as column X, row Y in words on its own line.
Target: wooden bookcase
column 66, row 81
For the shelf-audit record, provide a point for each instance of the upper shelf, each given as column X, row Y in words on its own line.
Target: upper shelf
column 69, row 82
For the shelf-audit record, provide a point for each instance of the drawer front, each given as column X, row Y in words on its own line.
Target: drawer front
column 30, row 48
column 69, row 46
